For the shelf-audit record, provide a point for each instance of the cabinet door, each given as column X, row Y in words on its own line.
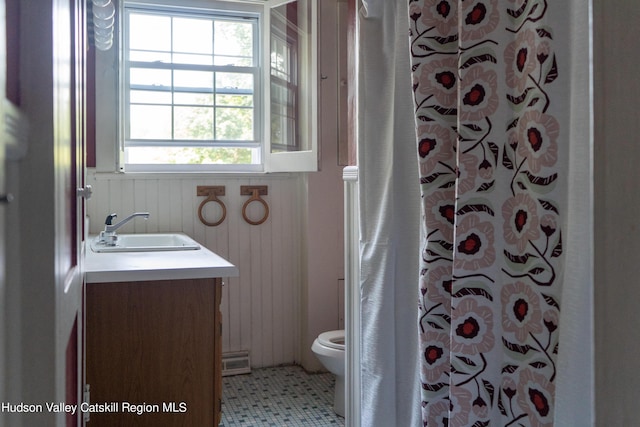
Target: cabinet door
column 217, row 369
column 154, row 344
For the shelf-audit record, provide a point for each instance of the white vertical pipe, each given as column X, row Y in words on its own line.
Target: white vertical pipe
column 352, row 295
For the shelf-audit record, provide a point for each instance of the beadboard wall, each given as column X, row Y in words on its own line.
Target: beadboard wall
column 261, row 307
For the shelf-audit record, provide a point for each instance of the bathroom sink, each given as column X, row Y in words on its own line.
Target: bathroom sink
column 147, row 243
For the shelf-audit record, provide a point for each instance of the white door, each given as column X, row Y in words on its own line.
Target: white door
column 69, row 137
column 41, row 301
column 4, row 199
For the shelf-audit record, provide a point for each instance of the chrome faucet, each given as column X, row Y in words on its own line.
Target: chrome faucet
column 108, row 235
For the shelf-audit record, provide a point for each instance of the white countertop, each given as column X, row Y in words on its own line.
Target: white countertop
column 162, row 265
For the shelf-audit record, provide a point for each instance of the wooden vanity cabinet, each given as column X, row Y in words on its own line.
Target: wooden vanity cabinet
column 156, row 344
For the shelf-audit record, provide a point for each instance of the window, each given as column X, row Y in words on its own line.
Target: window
column 283, row 89
column 199, row 92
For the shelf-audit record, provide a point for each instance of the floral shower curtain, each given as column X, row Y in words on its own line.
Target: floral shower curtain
column 492, row 181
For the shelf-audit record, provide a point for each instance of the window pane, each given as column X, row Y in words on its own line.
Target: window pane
column 194, row 123
column 235, row 100
column 234, row 124
column 291, row 70
column 282, row 94
column 234, row 43
column 283, row 114
column 282, row 132
column 150, row 122
column 150, row 77
column 192, row 98
column 144, row 56
column 201, row 80
column 149, row 32
column 149, row 97
column 223, row 60
column 280, row 58
column 191, row 155
column 192, row 35
column 185, row 58
column 234, row 83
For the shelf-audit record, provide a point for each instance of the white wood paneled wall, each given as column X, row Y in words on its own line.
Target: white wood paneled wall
column 261, row 307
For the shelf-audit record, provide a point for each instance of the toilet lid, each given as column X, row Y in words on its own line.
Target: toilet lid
column 332, row 339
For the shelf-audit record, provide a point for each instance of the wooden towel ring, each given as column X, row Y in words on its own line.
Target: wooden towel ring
column 212, row 193
column 255, row 192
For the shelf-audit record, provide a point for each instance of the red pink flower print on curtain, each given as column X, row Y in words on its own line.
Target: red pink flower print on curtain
column 487, row 142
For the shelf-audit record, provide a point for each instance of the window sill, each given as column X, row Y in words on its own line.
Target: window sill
column 189, row 175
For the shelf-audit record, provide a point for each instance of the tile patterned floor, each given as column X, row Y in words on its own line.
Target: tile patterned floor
column 279, row 397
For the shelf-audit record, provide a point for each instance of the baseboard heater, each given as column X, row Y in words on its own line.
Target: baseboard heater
column 236, row 363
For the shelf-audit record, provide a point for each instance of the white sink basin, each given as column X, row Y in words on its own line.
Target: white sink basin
column 147, row 243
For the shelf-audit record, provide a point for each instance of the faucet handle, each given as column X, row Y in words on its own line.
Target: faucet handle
column 110, row 218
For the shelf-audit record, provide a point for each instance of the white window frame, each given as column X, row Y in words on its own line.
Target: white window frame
column 304, row 161
column 287, row 161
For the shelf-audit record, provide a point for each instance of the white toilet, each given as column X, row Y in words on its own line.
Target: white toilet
column 329, row 349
